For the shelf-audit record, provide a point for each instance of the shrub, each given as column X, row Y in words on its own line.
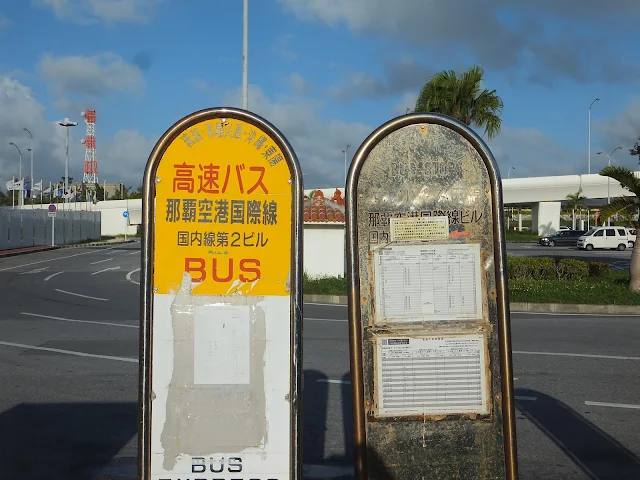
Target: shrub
column 599, row 269
column 571, row 269
column 548, row 268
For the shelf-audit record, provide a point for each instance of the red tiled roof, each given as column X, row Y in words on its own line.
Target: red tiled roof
column 319, row 209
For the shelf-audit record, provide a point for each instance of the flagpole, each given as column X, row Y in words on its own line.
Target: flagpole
column 13, row 192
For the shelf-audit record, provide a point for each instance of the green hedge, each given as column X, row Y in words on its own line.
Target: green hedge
column 554, row 268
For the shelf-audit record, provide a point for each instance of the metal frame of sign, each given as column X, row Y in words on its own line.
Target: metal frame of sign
column 147, row 276
column 353, row 269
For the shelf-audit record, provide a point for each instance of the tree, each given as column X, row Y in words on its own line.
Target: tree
column 628, row 181
column 576, row 202
column 137, row 193
column 463, row 98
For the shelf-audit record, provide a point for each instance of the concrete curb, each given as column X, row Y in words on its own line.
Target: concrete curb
column 515, row 306
column 96, row 244
column 13, row 253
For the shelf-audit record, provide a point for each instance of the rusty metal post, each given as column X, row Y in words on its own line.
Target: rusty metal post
column 430, row 339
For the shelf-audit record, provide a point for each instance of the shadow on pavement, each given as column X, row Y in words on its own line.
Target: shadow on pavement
column 599, row 455
column 63, row 441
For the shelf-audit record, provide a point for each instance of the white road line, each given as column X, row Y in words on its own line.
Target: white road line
column 37, row 270
column 50, row 260
column 558, row 314
column 525, row 398
column 52, row 275
column 62, row 319
column 558, row 354
column 327, row 304
column 100, row 261
column 614, row 405
column 69, row 352
column 330, row 380
column 83, row 296
column 135, row 253
column 106, row 270
column 131, row 273
column 325, row 319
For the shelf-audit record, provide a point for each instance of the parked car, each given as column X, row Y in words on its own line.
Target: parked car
column 607, row 237
column 561, row 237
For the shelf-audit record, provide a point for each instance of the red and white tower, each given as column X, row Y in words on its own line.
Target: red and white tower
column 90, row 163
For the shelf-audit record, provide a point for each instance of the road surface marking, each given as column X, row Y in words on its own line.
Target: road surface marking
column 37, row 270
column 83, row 296
column 559, row 314
column 62, row 319
column 68, row 352
column 615, row 405
column 51, row 260
column 525, row 398
column 558, row 354
column 327, row 304
column 330, row 380
column 131, row 273
column 134, row 253
column 100, row 261
column 325, row 319
column 52, row 275
column 105, row 270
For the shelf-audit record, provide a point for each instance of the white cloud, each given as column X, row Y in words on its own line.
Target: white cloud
column 318, row 142
column 111, row 11
column 4, row 21
column 94, row 76
column 622, row 130
column 122, row 157
column 298, row 83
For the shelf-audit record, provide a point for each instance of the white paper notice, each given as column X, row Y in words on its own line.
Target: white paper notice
column 431, row 376
column 221, row 345
column 428, row 282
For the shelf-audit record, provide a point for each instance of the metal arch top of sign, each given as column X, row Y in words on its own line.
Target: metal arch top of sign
column 125, row 214
column 221, row 249
column 428, row 310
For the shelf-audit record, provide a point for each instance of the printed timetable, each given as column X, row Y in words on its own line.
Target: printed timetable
column 431, row 376
column 428, row 282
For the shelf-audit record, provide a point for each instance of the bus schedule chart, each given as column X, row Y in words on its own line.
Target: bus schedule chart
column 428, row 282
column 431, row 376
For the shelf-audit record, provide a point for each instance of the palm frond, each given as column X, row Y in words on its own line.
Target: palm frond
column 624, row 176
column 617, row 205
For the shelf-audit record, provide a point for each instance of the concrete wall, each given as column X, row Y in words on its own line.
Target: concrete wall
column 33, row 227
column 545, row 217
column 324, row 249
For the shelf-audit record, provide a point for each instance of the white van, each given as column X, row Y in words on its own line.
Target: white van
column 607, row 237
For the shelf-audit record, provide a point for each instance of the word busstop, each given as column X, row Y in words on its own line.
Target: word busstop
column 221, row 316
column 428, row 308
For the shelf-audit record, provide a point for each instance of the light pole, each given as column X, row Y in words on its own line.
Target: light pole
column 245, row 54
column 345, row 166
column 21, row 200
column 589, row 149
column 67, row 123
column 608, row 178
column 509, row 174
column 31, row 150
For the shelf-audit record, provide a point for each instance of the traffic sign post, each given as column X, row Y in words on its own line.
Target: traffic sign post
column 52, row 214
column 429, row 326
column 125, row 214
column 221, row 311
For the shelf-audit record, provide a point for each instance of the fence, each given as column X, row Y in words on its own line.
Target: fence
column 30, row 228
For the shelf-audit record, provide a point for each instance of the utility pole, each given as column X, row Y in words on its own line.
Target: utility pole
column 245, row 54
column 31, row 150
column 67, row 123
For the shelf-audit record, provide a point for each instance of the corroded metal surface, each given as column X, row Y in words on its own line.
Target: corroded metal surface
column 427, row 169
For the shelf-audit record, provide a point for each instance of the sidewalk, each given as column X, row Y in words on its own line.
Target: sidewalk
column 22, row 250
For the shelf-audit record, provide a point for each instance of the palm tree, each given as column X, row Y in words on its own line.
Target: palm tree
column 631, row 183
column 463, row 98
column 576, row 202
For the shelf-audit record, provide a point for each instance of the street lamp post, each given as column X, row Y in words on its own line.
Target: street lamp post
column 345, row 165
column 31, row 174
column 21, row 199
column 589, row 149
column 67, row 123
column 509, row 173
column 608, row 178
column 245, row 55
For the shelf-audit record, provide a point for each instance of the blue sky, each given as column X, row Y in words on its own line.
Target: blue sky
column 326, row 72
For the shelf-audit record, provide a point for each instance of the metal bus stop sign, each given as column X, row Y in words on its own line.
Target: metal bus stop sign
column 428, row 308
column 221, row 361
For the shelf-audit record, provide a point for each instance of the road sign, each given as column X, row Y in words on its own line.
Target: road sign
column 52, row 208
column 428, row 309
column 125, row 214
column 221, row 364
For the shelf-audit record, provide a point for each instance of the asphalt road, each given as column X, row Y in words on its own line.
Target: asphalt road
column 617, row 260
column 69, row 387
